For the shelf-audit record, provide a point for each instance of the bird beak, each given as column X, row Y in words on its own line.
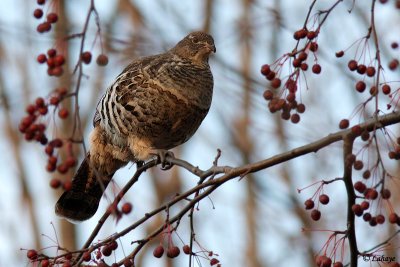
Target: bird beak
column 211, row 48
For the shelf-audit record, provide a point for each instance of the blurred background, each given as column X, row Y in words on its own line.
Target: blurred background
column 254, row 222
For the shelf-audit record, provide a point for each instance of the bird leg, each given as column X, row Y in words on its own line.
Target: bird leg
column 163, row 154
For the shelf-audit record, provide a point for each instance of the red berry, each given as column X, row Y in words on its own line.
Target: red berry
column 364, row 205
column 214, row 261
column 57, row 71
column 358, row 165
column 45, row 263
column 106, row 251
column 296, row 63
column 30, row 109
column 370, row 71
column 59, row 60
column 61, row 91
column 352, row 65
column 304, row 66
column 265, row 69
column 394, row 45
column 62, row 168
column 54, row 100
column 373, row 91
column 86, row 256
column 55, row 183
column 316, row 68
column 309, row 204
column 360, row 187
column 158, row 251
column 386, row 193
column 301, row 108
column 41, row 2
column 38, row 13
column 365, row 135
column 367, row 216
column 313, row 46
column 271, row 76
column 380, row 219
column 343, row 124
column 173, row 252
column 51, row 52
column 295, row 118
column 366, row 174
column 393, row 218
column 70, row 162
column 302, row 56
column 393, row 64
column 128, row 263
column 39, row 102
column 43, row 110
column 52, row 17
column 324, row 199
column 356, row 208
column 386, row 89
column 315, row 215
column 63, row 113
column 340, row 53
column 361, row 69
column 32, row 254
column 300, row 34
column 44, row 27
column 186, row 249
column 338, row 264
column 102, row 60
column 356, row 129
column 41, row 58
column 113, row 245
column 86, row 57
column 268, row 94
column 360, row 86
column 311, row 35
column 276, row 83
column 126, row 208
column 67, row 185
column 57, row 142
column 371, row 193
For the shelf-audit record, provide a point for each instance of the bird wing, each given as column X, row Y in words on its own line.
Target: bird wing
column 125, row 83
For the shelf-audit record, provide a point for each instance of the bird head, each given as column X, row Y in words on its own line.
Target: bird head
column 196, row 46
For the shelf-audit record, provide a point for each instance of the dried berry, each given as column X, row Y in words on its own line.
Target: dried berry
column 102, row 60
column 158, row 251
column 309, row 204
column 173, row 252
column 316, row 68
column 324, row 199
column 126, row 208
column 339, row 54
column 315, row 215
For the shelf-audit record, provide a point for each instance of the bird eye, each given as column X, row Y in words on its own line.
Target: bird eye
column 195, row 40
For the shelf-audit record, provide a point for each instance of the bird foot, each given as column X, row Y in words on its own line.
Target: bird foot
column 163, row 154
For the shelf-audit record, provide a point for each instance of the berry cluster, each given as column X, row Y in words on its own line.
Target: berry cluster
column 325, row 261
column 285, row 100
column 125, row 209
column 174, row 251
column 54, row 62
column 34, row 129
column 50, row 19
column 309, row 204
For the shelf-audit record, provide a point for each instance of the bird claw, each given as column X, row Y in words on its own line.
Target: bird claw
column 163, row 155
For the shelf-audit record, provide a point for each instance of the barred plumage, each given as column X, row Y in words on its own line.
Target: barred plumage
column 156, row 103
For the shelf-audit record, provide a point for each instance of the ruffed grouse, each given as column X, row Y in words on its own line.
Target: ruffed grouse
column 156, row 103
